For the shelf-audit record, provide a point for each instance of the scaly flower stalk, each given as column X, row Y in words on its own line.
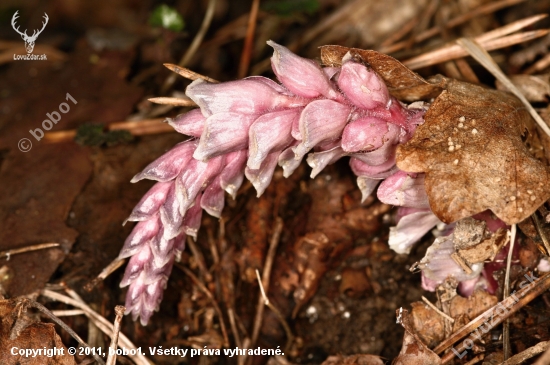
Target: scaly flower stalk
column 245, row 128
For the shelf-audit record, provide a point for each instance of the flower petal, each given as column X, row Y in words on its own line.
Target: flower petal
column 379, row 172
column 190, row 123
column 192, row 220
column 367, row 186
column 151, row 202
column 223, row 133
column 302, row 76
column 319, row 160
column 438, row 264
column 247, row 96
column 171, row 213
column 136, row 265
column 195, row 178
column 169, row 165
column 143, row 232
column 232, row 175
column 405, row 190
column 321, row 121
column 261, row 177
column 270, row 132
column 364, row 134
column 410, row 229
column 361, row 85
column 213, row 198
column 288, row 161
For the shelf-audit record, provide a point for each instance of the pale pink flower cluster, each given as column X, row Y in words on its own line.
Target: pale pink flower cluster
column 245, row 128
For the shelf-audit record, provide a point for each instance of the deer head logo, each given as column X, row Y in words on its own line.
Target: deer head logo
column 29, row 41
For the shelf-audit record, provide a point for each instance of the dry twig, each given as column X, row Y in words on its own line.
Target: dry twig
column 249, row 40
column 529, row 353
column 119, row 310
column 15, row 251
column 481, row 56
column 525, row 295
column 98, row 320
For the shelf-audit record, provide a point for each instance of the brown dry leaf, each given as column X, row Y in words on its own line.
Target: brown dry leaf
column 18, row 330
column 413, row 352
column 353, row 360
column 402, row 83
column 485, row 250
column 471, row 150
column 429, row 325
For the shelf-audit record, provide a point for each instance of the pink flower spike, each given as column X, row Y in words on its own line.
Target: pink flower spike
column 150, row 203
column 232, row 175
column 270, row 132
column 261, row 177
column 223, row 133
column 364, row 134
column 213, row 198
column 410, row 229
column 361, row 85
column 405, row 190
column 142, row 233
column 247, row 96
column 192, row 220
column 288, row 161
column 321, row 121
column 367, row 186
column 302, row 76
column 197, row 175
column 319, row 160
column 169, row 165
column 190, row 123
column 136, row 265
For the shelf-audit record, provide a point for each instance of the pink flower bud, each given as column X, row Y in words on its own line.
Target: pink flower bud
column 364, row 134
column 223, row 133
column 190, row 123
column 270, row 132
column 404, row 189
column 362, row 86
column 247, row 96
column 151, row 202
column 302, row 76
column 321, row 121
column 169, row 165
column 384, row 153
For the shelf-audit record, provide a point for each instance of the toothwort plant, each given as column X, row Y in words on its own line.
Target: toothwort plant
column 245, row 128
